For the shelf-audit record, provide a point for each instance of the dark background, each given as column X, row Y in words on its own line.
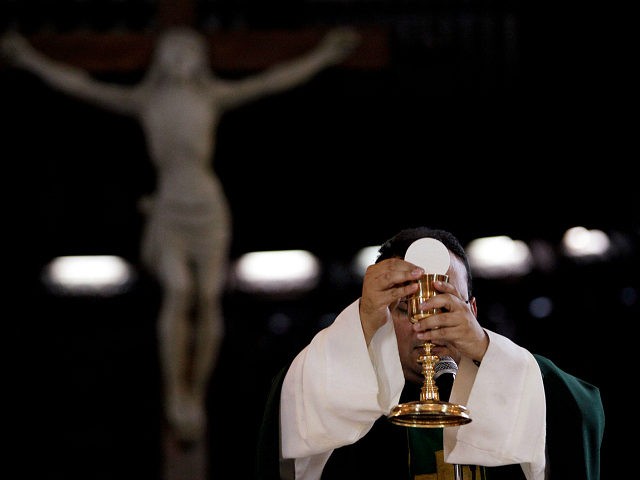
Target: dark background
column 486, row 118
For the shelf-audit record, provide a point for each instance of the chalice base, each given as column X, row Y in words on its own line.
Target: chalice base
column 429, row 414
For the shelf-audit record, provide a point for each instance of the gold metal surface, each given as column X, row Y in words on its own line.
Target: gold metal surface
column 429, row 414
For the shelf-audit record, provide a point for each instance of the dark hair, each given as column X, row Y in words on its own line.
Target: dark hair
column 397, row 246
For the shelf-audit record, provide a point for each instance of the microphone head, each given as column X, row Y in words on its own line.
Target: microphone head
column 446, row 364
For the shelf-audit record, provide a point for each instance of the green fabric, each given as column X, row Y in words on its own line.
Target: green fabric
column 575, row 423
column 423, row 443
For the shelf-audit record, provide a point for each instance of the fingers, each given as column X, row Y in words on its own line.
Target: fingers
column 388, row 281
column 457, row 329
column 384, row 284
column 454, row 318
column 394, row 276
column 436, row 322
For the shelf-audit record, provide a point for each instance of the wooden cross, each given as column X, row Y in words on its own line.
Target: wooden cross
column 231, row 51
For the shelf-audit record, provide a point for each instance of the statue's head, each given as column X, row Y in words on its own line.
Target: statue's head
column 181, row 53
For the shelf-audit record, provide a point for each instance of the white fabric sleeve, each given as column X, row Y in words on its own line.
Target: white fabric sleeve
column 506, row 402
column 335, row 390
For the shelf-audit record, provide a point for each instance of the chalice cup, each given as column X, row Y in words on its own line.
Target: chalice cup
column 429, row 411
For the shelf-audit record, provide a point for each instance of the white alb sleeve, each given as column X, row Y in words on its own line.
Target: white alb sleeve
column 336, row 388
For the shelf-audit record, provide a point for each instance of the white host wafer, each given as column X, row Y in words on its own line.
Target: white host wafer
column 430, row 254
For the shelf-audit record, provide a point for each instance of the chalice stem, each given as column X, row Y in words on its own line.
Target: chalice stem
column 429, row 390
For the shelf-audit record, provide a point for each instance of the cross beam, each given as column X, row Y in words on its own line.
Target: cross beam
column 231, row 51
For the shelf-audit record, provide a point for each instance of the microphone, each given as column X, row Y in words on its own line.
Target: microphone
column 444, row 365
column 444, row 373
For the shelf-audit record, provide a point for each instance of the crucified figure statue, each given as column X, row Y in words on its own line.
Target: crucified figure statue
column 185, row 245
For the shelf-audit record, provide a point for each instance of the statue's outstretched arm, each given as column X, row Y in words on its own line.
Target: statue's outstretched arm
column 334, row 48
column 71, row 80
